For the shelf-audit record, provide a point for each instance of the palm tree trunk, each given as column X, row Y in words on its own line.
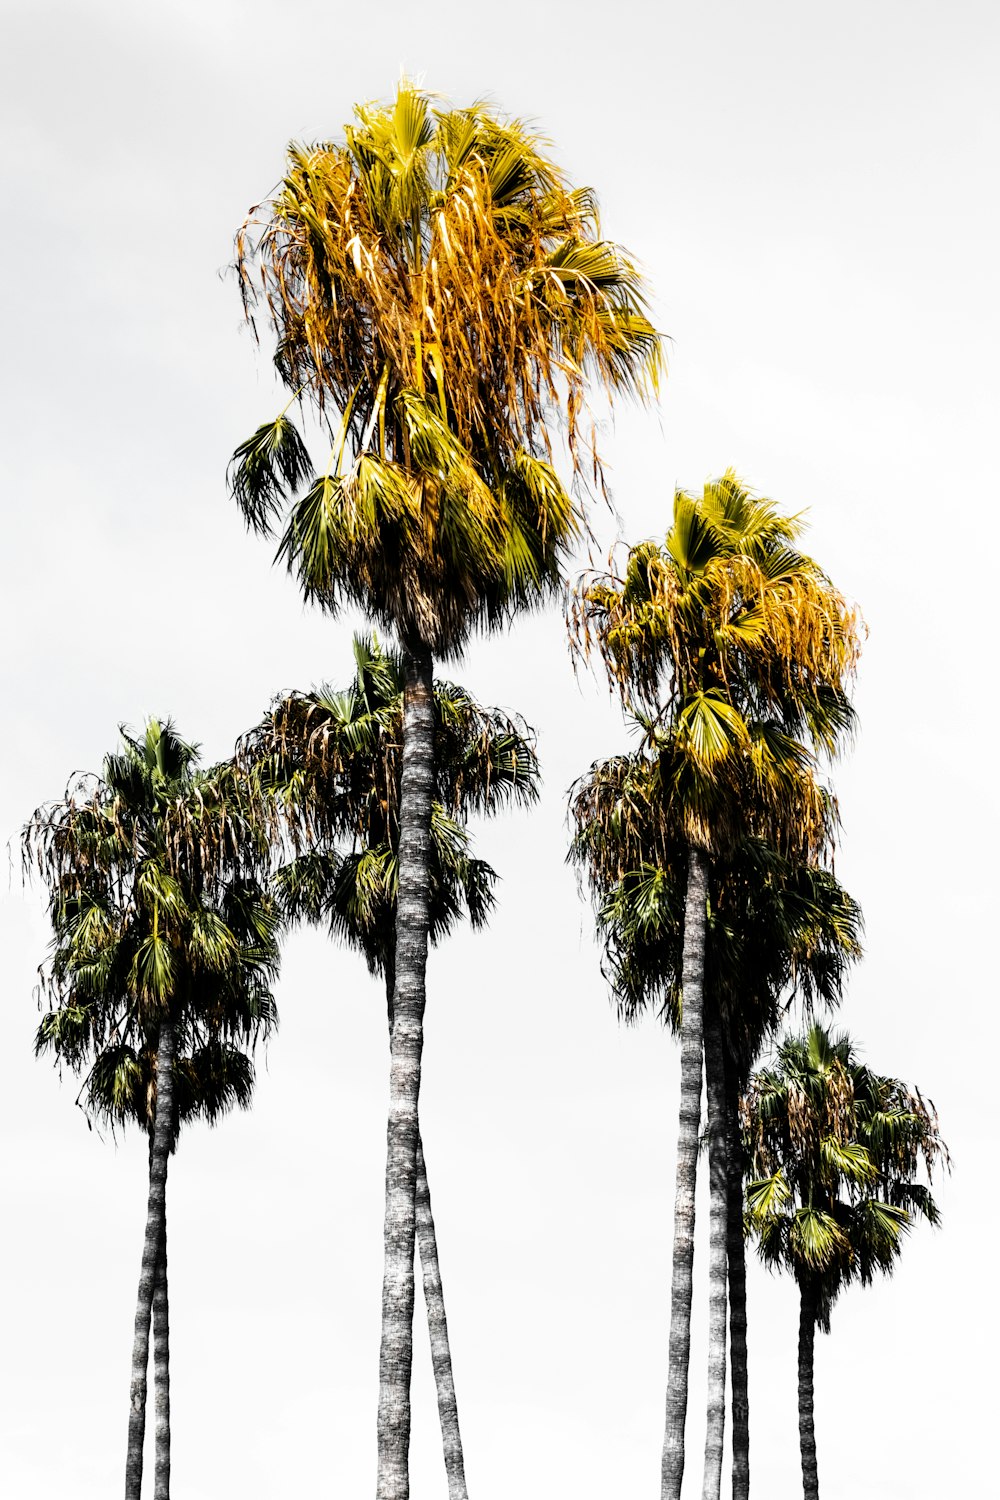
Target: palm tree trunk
column 412, row 925
column 437, row 1322
column 155, row 1222
column 718, row 1215
column 737, row 1257
column 807, row 1431
column 161, row 1372
column 692, row 1046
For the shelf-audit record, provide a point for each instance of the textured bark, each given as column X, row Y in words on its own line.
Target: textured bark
column 161, row 1372
column 737, row 1257
column 155, row 1227
column 412, row 924
column 437, row 1322
column 807, row 1431
column 718, row 1215
column 692, row 1046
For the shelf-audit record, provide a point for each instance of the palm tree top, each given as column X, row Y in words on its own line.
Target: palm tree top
column 726, row 608
column 328, row 764
column 440, row 294
column 152, row 871
column 837, row 1151
column 427, row 229
column 734, row 651
column 152, row 797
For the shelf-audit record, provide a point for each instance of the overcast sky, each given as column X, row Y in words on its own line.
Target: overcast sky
column 812, row 192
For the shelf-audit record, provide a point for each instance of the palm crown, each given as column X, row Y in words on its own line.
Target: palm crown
column 331, row 762
column 438, row 291
column 152, row 919
column 741, row 648
column 836, row 1149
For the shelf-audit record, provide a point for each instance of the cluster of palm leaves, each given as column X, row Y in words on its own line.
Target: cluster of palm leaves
column 443, row 303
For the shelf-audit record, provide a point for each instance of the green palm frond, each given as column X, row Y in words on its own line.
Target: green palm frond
column 816, row 1240
column 710, row 729
column 211, row 944
column 766, row 1198
column 267, row 468
column 848, row 1161
column 302, row 885
column 153, row 972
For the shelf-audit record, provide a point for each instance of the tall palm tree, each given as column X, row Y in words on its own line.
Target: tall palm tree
column 333, row 762
column 438, row 291
column 775, row 929
column 740, row 647
column 162, row 957
column 835, row 1151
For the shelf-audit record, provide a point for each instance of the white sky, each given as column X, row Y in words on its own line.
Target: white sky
column 813, row 192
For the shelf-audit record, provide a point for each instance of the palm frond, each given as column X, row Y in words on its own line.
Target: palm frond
column 265, row 469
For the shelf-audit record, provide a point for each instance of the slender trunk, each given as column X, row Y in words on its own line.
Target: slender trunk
column 161, row 1372
column 737, row 1257
column 437, row 1322
column 692, row 975
column 155, row 1221
column 807, row 1431
column 715, row 1430
column 412, row 924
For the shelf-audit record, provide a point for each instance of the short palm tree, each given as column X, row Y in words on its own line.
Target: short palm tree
column 439, row 292
column 332, row 763
column 775, row 929
column 739, row 647
column 835, row 1153
column 159, row 975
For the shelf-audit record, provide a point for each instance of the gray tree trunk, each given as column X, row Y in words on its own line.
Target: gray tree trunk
column 412, row 926
column 692, row 1047
column 155, row 1222
column 718, row 1216
column 437, row 1322
column 737, row 1258
column 807, row 1431
column 161, row 1372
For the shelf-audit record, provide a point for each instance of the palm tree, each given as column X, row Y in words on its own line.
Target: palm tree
column 438, row 291
column 739, row 646
column 775, row 929
column 162, row 956
column 835, row 1151
column 333, row 762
